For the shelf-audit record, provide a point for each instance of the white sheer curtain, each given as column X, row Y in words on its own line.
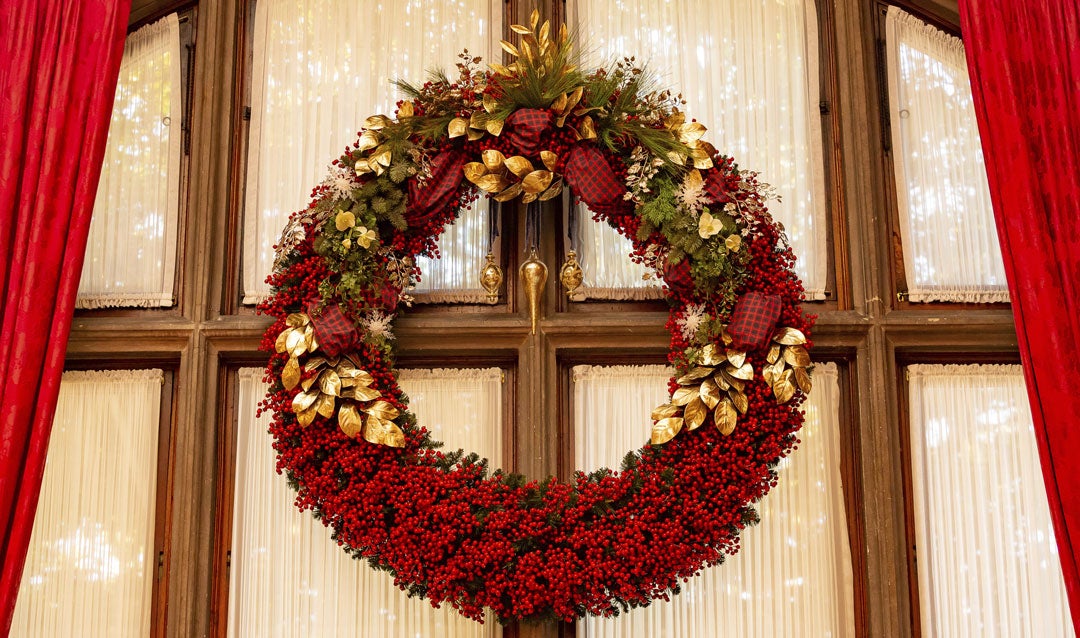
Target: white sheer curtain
column 749, row 71
column 987, row 560
column 91, row 563
column 289, row 579
column 951, row 250
column 131, row 251
column 792, row 576
column 322, row 67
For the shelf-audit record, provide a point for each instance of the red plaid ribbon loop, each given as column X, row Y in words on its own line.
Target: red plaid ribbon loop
column 526, row 127
column 753, row 321
column 715, row 187
column 592, row 180
column 335, row 332
column 437, row 192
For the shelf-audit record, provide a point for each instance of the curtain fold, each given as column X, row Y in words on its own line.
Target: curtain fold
column 1027, row 101
column 987, row 561
column 793, row 575
column 131, row 252
column 289, row 579
column 951, row 250
column 91, row 563
column 322, row 67
column 56, row 93
column 748, row 70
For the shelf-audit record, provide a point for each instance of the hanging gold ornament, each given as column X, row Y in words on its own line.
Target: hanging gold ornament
column 534, row 273
column 491, row 278
column 571, row 276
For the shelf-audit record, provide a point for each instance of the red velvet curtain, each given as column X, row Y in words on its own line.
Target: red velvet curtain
column 1024, row 62
column 60, row 60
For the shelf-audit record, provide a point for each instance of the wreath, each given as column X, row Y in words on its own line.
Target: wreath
column 445, row 526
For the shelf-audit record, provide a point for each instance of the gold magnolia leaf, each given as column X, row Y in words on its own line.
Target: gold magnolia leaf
column 520, row 30
column 305, row 417
column 383, row 410
column 797, row 356
column 534, row 19
column 314, row 364
column 736, row 358
column 279, row 343
column 382, row 158
column 304, row 400
column 407, row 109
column 377, row 122
column 330, row 383
column 493, row 160
column 744, row 372
column 665, row 429
column 701, row 158
column 732, row 381
column 559, row 104
column 694, row 180
column 588, row 128
column 290, row 374
column 709, row 392
column 510, row 48
column 739, row 400
column 493, row 183
column 536, row 181
column 369, row 140
column 490, row 103
column 677, row 158
column 325, row 405
column 545, row 31
column 362, row 166
column 309, row 336
column 549, row 159
column 684, row 395
column 722, row 381
column 784, row 387
column 698, row 372
column 494, row 127
column 364, row 393
column 802, row 379
column 710, row 355
column 474, row 171
column 510, row 193
column 295, row 343
column 529, row 197
column 768, row 375
column 774, row 353
column 691, row 132
column 519, row 165
column 457, row 127
column 297, row 320
column 726, row 416
column 349, row 420
column 789, row 337
column 380, row 432
column 664, row 411
column 552, row 191
column 475, row 134
column 694, row 414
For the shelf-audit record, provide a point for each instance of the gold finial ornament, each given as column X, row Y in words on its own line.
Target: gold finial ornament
column 534, row 273
column 491, row 278
column 571, row 276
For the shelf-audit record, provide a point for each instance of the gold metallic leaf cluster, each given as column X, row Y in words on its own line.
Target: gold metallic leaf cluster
column 788, row 364
column 378, row 160
column 330, row 380
column 509, row 177
column 536, row 50
column 690, row 134
column 716, row 384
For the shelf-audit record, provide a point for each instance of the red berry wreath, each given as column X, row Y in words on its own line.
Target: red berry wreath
column 446, row 527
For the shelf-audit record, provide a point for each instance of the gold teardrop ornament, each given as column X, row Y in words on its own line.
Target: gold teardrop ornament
column 534, row 275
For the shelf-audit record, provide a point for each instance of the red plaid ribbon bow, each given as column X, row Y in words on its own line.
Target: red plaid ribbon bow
column 753, row 321
column 716, row 188
column 335, row 332
column 526, row 126
column 439, row 191
column 592, row 180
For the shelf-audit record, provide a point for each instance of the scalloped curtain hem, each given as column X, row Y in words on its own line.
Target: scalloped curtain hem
column 124, row 300
column 96, row 376
column 473, row 296
column 958, row 296
column 624, row 294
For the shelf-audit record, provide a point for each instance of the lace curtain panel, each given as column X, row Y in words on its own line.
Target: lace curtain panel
column 792, row 576
column 131, row 251
column 748, row 71
column 289, row 578
column 950, row 244
column 988, row 563
column 91, row 564
column 318, row 72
